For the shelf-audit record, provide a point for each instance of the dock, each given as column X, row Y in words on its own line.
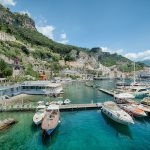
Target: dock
column 106, row 91
column 72, row 107
column 68, row 107
column 100, row 89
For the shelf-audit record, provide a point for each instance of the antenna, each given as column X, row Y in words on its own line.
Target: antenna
column 134, row 72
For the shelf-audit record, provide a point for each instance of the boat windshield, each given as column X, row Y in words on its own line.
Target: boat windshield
column 112, row 107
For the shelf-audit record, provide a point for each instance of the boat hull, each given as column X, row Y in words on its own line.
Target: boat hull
column 37, row 122
column 114, row 118
column 49, row 132
column 38, row 119
column 133, row 113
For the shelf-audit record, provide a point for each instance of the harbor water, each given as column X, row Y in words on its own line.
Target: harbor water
column 78, row 130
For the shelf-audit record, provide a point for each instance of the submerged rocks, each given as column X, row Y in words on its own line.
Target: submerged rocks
column 7, row 123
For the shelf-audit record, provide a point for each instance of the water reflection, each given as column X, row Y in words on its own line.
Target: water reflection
column 119, row 128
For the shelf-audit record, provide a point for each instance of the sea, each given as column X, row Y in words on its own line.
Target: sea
column 78, row 130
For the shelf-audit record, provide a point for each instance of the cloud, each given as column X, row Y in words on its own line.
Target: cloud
column 8, row 2
column 40, row 20
column 47, row 30
column 106, row 49
column 139, row 56
column 26, row 12
column 63, row 38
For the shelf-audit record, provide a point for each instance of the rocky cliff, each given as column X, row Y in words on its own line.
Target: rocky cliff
column 16, row 19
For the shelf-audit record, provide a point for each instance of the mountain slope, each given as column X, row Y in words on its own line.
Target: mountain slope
column 147, row 62
column 31, row 46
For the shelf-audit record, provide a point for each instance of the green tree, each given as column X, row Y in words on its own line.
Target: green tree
column 5, row 69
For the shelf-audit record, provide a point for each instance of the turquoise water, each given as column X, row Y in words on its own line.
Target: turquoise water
column 78, row 130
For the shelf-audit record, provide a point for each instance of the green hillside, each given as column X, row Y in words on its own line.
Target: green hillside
column 23, row 28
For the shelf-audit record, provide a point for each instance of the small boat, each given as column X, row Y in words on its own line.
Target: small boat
column 51, row 119
column 4, row 124
column 59, row 102
column 40, row 102
column 47, row 103
column 139, row 91
column 67, row 101
column 122, row 84
column 111, row 110
column 144, row 108
column 133, row 110
column 124, row 96
column 39, row 115
column 146, row 101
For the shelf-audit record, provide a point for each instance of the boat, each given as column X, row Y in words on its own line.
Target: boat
column 40, row 102
column 39, row 115
column 47, row 103
column 4, row 124
column 133, row 110
column 122, row 84
column 111, row 110
column 144, row 108
column 59, row 102
column 139, row 91
column 67, row 101
column 51, row 119
column 146, row 101
column 123, row 97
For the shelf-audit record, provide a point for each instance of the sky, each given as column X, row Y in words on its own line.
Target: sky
column 121, row 26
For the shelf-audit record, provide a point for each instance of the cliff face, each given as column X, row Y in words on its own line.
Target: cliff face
column 16, row 19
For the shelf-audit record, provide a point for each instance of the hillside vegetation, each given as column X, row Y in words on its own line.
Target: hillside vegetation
column 30, row 43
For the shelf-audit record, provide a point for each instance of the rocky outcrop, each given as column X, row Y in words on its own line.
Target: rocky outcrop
column 16, row 19
column 6, row 37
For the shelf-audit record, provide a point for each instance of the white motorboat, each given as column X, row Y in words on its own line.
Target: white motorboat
column 59, row 102
column 39, row 115
column 67, row 101
column 40, row 102
column 124, row 96
column 111, row 110
column 146, row 101
column 138, row 91
column 144, row 108
column 133, row 110
column 51, row 119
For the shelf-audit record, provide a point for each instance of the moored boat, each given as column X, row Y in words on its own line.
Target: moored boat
column 39, row 115
column 59, row 102
column 133, row 110
column 111, row 110
column 139, row 91
column 51, row 119
column 67, row 101
column 146, row 101
column 144, row 108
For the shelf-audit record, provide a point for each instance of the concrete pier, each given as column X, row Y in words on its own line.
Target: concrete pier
column 69, row 107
